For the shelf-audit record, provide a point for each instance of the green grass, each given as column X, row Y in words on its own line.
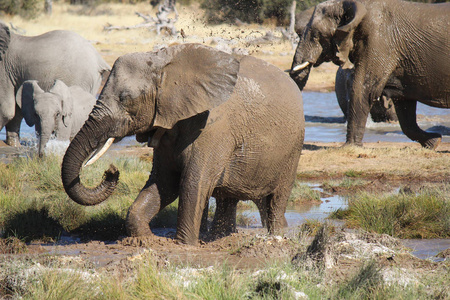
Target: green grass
column 35, row 205
column 54, row 280
column 413, row 215
column 302, row 193
column 348, row 183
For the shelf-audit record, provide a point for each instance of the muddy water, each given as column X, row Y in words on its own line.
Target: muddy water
column 296, row 215
column 325, row 122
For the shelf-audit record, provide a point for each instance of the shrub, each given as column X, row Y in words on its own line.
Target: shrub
column 27, row 9
column 252, row 11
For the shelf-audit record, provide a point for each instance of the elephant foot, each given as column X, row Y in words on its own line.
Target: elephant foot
column 352, row 144
column 12, row 140
column 135, row 230
column 141, row 241
column 218, row 234
column 432, row 143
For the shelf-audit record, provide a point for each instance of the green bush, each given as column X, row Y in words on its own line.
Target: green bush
column 27, row 9
column 251, row 11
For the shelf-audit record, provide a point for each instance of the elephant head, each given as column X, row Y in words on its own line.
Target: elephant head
column 145, row 94
column 47, row 111
column 326, row 34
column 5, row 38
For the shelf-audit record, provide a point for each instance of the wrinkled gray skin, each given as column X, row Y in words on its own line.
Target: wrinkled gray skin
column 61, row 111
column 62, row 55
column 397, row 47
column 222, row 126
column 382, row 110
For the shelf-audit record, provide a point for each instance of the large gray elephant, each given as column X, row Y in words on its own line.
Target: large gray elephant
column 62, row 55
column 61, row 111
column 399, row 47
column 223, row 126
column 382, row 109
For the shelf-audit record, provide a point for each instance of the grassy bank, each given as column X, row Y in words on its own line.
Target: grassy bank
column 406, row 214
column 35, row 205
column 148, row 276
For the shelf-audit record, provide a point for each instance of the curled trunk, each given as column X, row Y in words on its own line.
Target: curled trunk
column 91, row 136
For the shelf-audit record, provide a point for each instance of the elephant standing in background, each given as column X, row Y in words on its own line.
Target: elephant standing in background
column 60, row 111
column 382, row 110
column 59, row 54
column 398, row 48
column 220, row 125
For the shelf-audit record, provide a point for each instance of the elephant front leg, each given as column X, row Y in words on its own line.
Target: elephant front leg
column 406, row 113
column 13, row 129
column 195, row 190
column 148, row 203
column 368, row 83
column 358, row 111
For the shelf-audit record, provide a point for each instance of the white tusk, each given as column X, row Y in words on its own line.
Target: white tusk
column 99, row 153
column 300, row 67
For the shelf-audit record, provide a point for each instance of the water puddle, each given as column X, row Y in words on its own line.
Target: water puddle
column 299, row 213
column 427, row 249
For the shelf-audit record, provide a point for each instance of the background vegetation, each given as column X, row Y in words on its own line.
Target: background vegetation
column 217, row 11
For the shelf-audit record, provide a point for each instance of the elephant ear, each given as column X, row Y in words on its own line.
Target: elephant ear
column 302, row 19
column 25, row 99
column 63, row 91
column 195, row 79
column 353, row 13
column 5, row 38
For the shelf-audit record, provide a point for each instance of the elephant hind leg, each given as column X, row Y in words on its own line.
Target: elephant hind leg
column 224, row 222
column 406, row 112
column 276, row 207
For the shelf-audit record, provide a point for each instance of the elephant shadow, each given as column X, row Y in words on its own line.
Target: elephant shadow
column 32, row 224
column 444, row 130
column 312, row 147
column 327, row 120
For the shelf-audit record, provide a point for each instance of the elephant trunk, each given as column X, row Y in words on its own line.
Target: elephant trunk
column 300, row 75
column 300, row 69
column 44, row 130
column 91, row 136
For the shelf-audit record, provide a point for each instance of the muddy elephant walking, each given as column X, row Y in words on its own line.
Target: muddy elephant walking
column 399, row 48
column 222, row 126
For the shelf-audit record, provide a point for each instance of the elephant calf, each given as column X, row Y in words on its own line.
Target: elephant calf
column 223, row 126
column 61, row 111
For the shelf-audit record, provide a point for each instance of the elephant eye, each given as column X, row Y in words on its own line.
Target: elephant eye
column 124, row 96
